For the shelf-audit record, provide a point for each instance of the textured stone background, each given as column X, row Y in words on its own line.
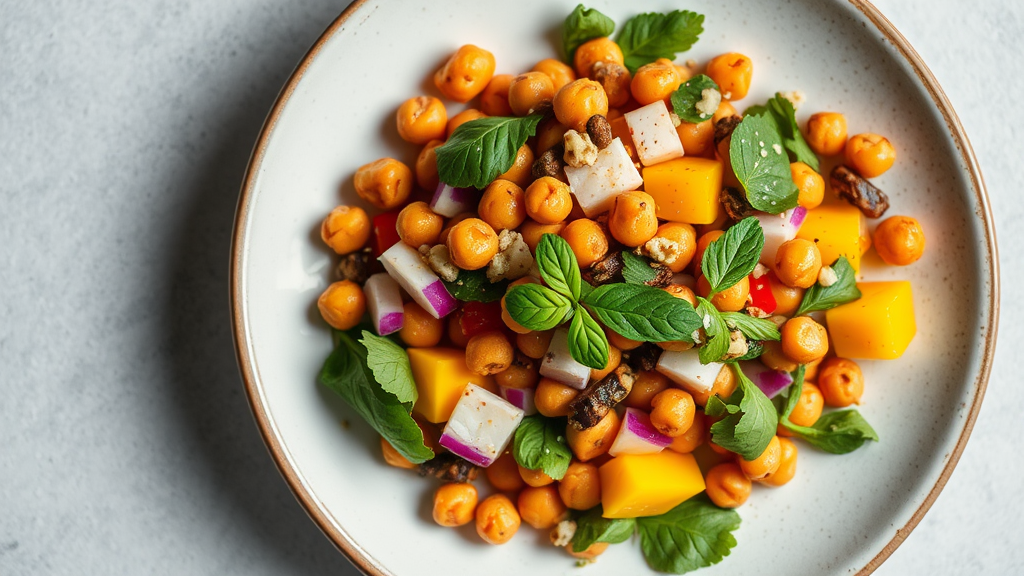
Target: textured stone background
column 126, row 444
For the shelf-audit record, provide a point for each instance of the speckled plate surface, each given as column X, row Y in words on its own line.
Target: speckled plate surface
column 841, row 514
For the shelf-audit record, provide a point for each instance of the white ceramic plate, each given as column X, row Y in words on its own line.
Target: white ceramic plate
column 841, row 514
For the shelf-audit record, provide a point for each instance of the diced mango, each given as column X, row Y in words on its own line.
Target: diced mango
column 634, row 485
column 685, row 189
column 620, row 130
column 878, row 325
column 441, row 375
column 838, row 230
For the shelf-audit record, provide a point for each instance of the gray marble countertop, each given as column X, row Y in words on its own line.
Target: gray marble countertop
column 127, row 443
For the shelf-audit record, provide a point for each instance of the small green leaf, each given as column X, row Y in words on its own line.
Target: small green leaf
column 751, row 422
column 479, row 150
column 389, row 363
column 646, row 37
column 592, row 528
column 837, row 432
column 558, row 266
column 587, row 342
column 717, row 332
column 540, row 444
column 636, row 269
column 693, row 535
column 689, row 93
column 781, row 110
column 754, row 350
column 761, row 166
column 844, row 290
column 537, row 307
column 733, row 255
column 643, row 313
column 473, row 286
column 793, row 393
column 752, row 328
column 581, row 25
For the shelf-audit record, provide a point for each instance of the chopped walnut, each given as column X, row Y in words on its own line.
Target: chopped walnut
column 856, row 190
column 737, row 345
column 513, row 260
column 440, row 262
column 579, row 150
column 562, row 533
column 756, row 312
column 355, row 266
column 710, row 99
column 549, row 163
column 827, row 276
column 662, row 250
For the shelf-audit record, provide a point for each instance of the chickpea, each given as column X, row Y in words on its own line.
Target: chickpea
column 592, row 551
column 727, row 485
column 559, row 72
column 346, row 229
column 682, row 292
column 426, row 166
column 870, row 154
column 811, row 370
column 419, row 328
column 787, row 466
column 452, row 222
column 503, row 205
column 682, row 239
column 465, row 74
column 535, row 478
column 614, row 359
column 899, row 240
column 497, row 520
column 392, row 457
column 594, row 441
column 804, row 340
column 385, row 183
column 808, row 407
column 697, row 139
column 472, row 244
column 494, row 98
column 552, row 397
column 488, row 353
column 418, row 225
column 765, row 464
column 455, row 333
column 510, row 323
column 541, row 507
column 773, row 357
column 826, row 133
column 580, row 488
column 725, row 110
column 534, row 344
column 587, row 239
column 596, row 50
column 549, row 133
column 467, row 115
column 703, row 242
column 787, row 298
column 454, row 504
column 342, row 305
column 616, row 81
column 797, row 263
column 810, row 184
column 620, row 341
column 648, row 384
column 522, row 373
column 548, row 200
column 654, row 81
column 672, row 412
column 577, row 101
column 533, row 230
column 421, row 119
column 632, row 220
column 521, row 171
column 723, row 387
column 732, row 73
column 693, row 437
column 732, row 299
column 530, row 92
column 503, row 474
column 841, row 382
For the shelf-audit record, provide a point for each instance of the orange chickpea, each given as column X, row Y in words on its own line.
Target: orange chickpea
column 426, row 166
column 530, row 92
column 532, row 232
column 787, row 298
column 682, row 292
column 421, row 119
column 826, row 133
column 541, row 507
column 452, row 223
column 548, row 200
column 804, row 340
column 534, row 344
column 559, row 72
column 808, row 408
column 592, row 551
column 596, row 50
column 488, row 353
column 494, row 98
column 521, row 171
column 648, row 384
column 632, row 220
column 342, row 305
column 503, row 205
column 787, row 465
column 549, row 133
column 899, row 240
column 703, row 242
column 455, row 504
column 535, row 478
column 773, row 357
column 465, row 74
column 765, row 464
column 727, row 485
column 522, row 373
column 614, row 359
column 587, row 240
column 654, row 81
column 697, row 139
column 616, row 81
column 419, row 328
column 552, row 397
column 510, row 323
column 693, row 437
column 620, row 341
column 841, row 382
column 672, row 412
column 503, row 474
column 732, row 299
column 577, row 101
column 455, row 333
column 385, row 183
column 723, row 387
column 797, row 263
column 497, row 520
column 472, row 244
column 392, row 457
column 467, row 115
column 346, row 229
column 418, row 225
column 683, row 241
column 870, row 154
column 725, row 110
column 811, row 370
column 810, row 184
column 732, row 73
column 594, row 441
column 580, row 488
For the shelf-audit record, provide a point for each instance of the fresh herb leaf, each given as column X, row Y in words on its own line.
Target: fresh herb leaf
column 592, row 528
column 558, row 266
column 781, row 110
column 754, row 350
column 636, row 270
column 473, row 286
column 346, row 372
column 587, row 343
column 750, row 419
column 752, row 328
column 537, row 307
column 716, row 343
column 581, row 25
column 481, row 149
column 646, row 37
column 643, row 313
column 733, row 256
column 689, row 93
column 540, row 444
column 839, row 432
column 759, row 164
column 844, row 290
column 792, row 394
column 389, row 363
column 693, row 535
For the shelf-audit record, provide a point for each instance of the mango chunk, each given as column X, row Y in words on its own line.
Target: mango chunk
column 838, row 230
column 634, row 485
column 441, row 376
column 879, row 325
column 685, row 189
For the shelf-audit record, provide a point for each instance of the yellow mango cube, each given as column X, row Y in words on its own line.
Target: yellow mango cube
column 634, row 485
column 879, row 325
column 838, row 230
column 685, row 189
column 441, row 375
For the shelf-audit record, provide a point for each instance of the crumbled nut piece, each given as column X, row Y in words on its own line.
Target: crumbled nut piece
column 355, row 266
column 735, row 203
column 727, row 95
column 662, row 250
column 796, row 97
column 691, row 63
column 605, row 270
column 827, row 276
column 725, row 126
column 513, row 260
column 440, row 262
column 676, row 121
column 579, row 150
column 643, row 357
column 600, row 131
column 550, row 163
column 448, row 467
column 756, row 312
column 612, row 76
column 737, row 345
column 857, row 191
column 710, row 99
column 562, row 533
column 759, row 270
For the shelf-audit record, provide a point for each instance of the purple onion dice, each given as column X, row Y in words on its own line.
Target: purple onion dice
column 481, row 426
column 637, row 435
column 404, row 264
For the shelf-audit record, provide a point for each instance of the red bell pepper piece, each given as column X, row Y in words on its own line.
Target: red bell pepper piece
column 761, row 293
column 385, row 232
column 480, row 317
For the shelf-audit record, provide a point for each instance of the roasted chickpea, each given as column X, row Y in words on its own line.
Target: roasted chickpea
column 808, row 407
column 693, row 437
column 697, row 139
column 535, row 478
column 826, row 133
column 534, row 344
column 346, row 229
column 787, row 298
column 870, row 154
column 559, row 72
column 732, row 299
column 549, row 133
column 648, row 384
column 392, row 457
column 811, row 370
column 672, row 412
column 577, row 101
column 677, row 242
column 596, row 50
column 421, row 119
column 522, row 373
column 552, row 397
column 592, row 551
column 580, row 488
column 810, row 184
column 465, row 74
column 841, row 382
column 385, row 183
column 587, row 240
column 452, row 223
column 494, row 98
column 418, row 225
column 773, row 357
column 765, row 464
column 632, row 220
column 426, row 166
column 703, row 242
column 467, row 115
column 530, row 92
column 455, row 333
column 616, row 81
column 532, row 231
column 548, row 200
column 541, row 507
column 419, row 328
column 620, row 341
column 521, row 171
column 725, row 110
column 614, row 359
column 594, row 441
column 503, row 474
column 899, row 240
column 488, row 353
column 472, row 244
column 497, row 520
column 503, row 205
column 787, row 465
column 723, row 387
column 727, row 485
column 732, row 73
column 804, row 340
column 682, row 292
column 342, row 305
column 455, row 504
column 797, row 263
column 654, row 81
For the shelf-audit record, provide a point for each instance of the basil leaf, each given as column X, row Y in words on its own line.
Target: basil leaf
column 479, row 150
column 844, row 290
column 693, row 535
column 592, row 528
column 558, row 266
column 346, row 373
column 643, row 313
column 473, row 286
column 733, row 256
column 689, row 93
column 583, row 24
column 587, row 343
column 540, row 444
column 839, row 432
column 646, row 37
column 636, row 270
column 785, row 118
column 752, row 328
column 537, row 307
column 760, row 165
column 717, row 342
column 389, row 363
column 751, row 422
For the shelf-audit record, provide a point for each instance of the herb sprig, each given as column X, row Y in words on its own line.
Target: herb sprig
column 581, row 25
column 757, row 158
column 592, row 527
column 479, row 150
column 694, row 534
column 689, row 93
column 838, row 432
column 750, row 419
column 540, row 444
column 646, row 37
column 844, row 290
column 733, row 256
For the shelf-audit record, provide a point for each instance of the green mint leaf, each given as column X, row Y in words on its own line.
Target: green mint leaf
column 583, row 24
column 479, row 150
column 845, row 290
column 646, row 37
column 346, row 373
column 643, row 313
column 473, row 286
column 752, row 328
column 689, row 93
column 756, row 110
column 792, row 394
column 733, row 256
column 558, row 266
column 839, row 432
column 761, row 166
column 636, row 270
column 587, row 342
column 717, row 332
column 693, row 535
column 540, row 444
column 785, row 118
column 751, row 422
column 389, row 363
column 592, row 528
column 537, row 307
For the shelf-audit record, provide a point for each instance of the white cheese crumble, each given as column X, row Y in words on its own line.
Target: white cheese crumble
column 796, row 97
column 663, row 250
column 513, row 260
column 760, row 270
column 777, row 148
column 579, row 149
column 710, row 99
column 827, row 276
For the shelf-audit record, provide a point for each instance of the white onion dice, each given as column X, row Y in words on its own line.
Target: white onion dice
column 596, row 186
